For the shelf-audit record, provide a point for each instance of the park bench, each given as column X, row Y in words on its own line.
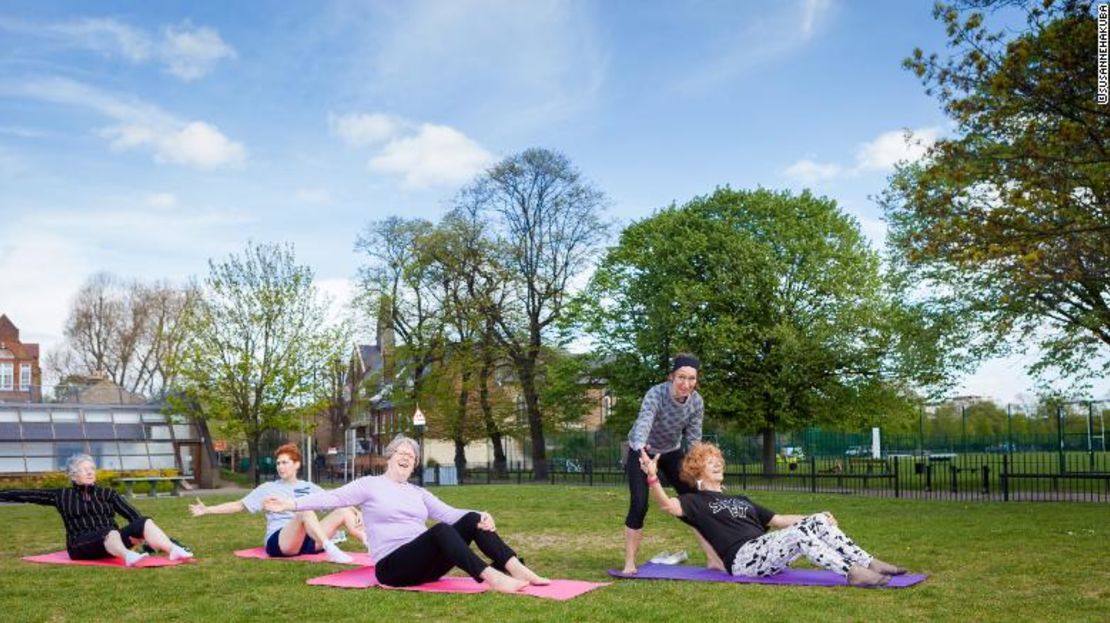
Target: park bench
column 177, row 481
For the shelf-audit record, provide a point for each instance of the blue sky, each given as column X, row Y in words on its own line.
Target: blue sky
column 144, row 138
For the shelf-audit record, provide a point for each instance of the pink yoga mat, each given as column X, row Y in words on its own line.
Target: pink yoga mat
column 62, row 558
column 363, row 577
column 361, row 558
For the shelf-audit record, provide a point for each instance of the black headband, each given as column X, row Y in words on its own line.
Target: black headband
column 685, row 361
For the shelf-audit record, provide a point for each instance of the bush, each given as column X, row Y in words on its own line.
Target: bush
column 104, row 478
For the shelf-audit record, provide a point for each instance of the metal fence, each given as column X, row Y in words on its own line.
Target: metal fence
column 1031, row 467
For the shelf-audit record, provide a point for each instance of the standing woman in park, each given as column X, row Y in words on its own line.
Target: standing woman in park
column 406, row 552
column 88, row 513
column 670, row 412
column 292, row 534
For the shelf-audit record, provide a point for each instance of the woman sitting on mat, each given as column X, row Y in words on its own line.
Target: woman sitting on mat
column 292, row 534
column 738, row 529
column 406, row 552
column 88, row 513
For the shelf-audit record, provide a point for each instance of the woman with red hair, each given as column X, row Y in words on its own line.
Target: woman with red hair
column 753, row 540
column 292, row 534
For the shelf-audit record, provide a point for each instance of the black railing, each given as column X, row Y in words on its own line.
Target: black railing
column 1044, row 476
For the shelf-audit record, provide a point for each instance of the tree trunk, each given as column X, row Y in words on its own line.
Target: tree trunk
column 500, row 464
column 211, row 478
column 460, row 428
column 253, row 442
column 535, row 420
column 768, row 449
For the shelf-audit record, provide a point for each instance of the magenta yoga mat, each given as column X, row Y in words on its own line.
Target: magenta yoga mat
column 62, row 558
column 363, row 577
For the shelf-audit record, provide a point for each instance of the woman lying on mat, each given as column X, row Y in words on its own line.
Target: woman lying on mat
column 406, row 552
column 738, row 529
column 292, row 534
column 88, row 513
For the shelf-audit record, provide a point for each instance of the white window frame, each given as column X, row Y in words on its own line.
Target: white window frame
column 7, row 376
column 24, row 376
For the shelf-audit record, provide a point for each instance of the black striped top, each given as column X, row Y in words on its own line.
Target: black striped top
column 84, row 508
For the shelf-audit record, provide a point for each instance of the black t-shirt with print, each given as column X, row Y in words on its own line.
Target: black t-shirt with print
column 726, row 521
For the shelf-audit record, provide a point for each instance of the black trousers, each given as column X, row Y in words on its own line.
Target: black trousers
column 90, row 545
column 670, row 466
column 432, row 554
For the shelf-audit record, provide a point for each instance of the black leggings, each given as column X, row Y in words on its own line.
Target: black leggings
column 432, row 554
column 670, row 465
column 90, row 545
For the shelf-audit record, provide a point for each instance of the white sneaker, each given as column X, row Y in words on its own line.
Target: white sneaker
column 180, row 553
column 337, row 555
column 670, row 559
column 339, row 537
column 132, row 558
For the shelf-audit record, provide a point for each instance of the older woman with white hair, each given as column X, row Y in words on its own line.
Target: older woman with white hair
column 405, row 551
column 88, row 513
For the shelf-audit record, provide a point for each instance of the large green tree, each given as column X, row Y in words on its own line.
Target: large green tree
column 778, row 294
column 259, row 341
column 1006, row 224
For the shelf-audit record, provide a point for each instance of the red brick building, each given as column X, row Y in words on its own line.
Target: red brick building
column 20, row 375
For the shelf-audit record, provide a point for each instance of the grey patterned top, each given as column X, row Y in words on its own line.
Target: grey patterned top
column 663, row 421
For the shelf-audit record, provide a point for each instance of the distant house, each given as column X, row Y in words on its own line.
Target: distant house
column 20, row 375
column 95, row 389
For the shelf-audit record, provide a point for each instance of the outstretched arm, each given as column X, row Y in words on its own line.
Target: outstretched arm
column 226, row 508
column 45, row 497
column 651, row 468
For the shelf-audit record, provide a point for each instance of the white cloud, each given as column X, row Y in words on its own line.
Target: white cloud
column 313, row 195
column 160, row 200
column 436, row 155
column 105, row 36
column 812, row 10
column 423, row 155
column 880, row 154
column 809, row 171
column 46, row 269
column 142, row 125
column 360, row 129
column 198, row 145
column 757, row 37
column 191, row 52
column 339, row 293
column 890, row 148
column 534, row 62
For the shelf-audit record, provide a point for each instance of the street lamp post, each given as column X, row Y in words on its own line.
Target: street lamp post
column 418, row 423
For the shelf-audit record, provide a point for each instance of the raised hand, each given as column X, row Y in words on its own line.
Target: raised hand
column 277, row 505
column 649, row 465
column 486, row 522
column 198, row 509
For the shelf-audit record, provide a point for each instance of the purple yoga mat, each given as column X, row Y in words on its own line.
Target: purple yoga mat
column 796, row 577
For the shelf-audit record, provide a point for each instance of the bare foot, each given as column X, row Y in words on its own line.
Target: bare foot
column 629, row 570
column 714, row 566
column 885, row 568
column 503, row 583
column 866, row 578
column 519, row 571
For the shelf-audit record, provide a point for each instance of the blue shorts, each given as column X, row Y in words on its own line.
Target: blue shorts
column 273, row 546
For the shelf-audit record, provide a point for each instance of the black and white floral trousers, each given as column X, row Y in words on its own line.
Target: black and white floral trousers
column 813, row 537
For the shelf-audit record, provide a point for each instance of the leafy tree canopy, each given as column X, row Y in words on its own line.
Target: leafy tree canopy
column 1006, row 225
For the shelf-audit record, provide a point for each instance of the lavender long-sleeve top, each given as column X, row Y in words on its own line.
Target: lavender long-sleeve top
column 394, row 512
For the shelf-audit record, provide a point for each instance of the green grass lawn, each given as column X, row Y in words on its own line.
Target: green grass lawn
column 987, row 562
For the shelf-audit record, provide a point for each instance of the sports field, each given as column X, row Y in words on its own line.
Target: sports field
column 987, row 562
